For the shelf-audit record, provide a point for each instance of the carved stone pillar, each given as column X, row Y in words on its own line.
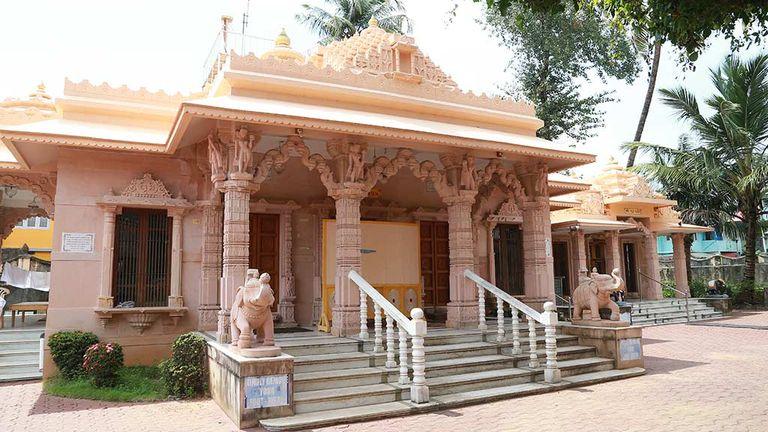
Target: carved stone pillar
column 653, row 287
column 678, row 255
column 538, row 264
column 107, row 257
column 175, row 298
column 579, row 253
column 236, row 244
column 462, row 307
column 210, row 266
column 322, row 211
column 613, row 251
column 490, row 225
column 346, row 307
column 286, row 306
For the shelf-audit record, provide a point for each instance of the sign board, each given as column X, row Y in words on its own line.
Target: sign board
column 630, row 349
column 266, row 391
column 77, row 242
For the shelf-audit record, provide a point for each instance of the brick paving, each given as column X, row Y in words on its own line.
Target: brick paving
column 700, row 378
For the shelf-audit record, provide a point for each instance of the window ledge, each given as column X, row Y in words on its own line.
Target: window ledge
column 141, row 318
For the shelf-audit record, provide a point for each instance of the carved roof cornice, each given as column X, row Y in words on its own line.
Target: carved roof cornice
column 363, row 79
column 74, row 141
column 123, row 93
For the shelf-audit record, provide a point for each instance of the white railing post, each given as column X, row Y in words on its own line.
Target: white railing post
column 419, row 389
column 481, row 308
column 377, row 348
column 390, row 364
column 363, row 315
column 533, row 361
column 402, row 338
column 515, row 331
column 549, row 317
column 500, row 320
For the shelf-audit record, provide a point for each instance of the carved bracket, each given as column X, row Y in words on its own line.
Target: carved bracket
column 141, row 319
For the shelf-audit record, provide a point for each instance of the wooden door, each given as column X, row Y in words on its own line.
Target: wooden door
column 560, row 262
column 435, row 263
column 265, row 248
column 508, row 256
column 597, row 256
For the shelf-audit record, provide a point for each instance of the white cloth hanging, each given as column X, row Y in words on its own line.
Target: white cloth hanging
column 20, row 278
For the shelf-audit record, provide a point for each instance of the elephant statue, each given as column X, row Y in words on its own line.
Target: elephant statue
column 251, row 312
column 594, row 292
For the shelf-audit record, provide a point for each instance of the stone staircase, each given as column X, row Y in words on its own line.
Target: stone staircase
column 338, row 380
column 670, row 311
column 19, row 354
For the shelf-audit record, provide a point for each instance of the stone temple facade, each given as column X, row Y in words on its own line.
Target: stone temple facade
column 364, row 156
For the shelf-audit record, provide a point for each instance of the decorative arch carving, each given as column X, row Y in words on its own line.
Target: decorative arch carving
column 42, row 185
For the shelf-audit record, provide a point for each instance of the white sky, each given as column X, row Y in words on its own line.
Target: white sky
column 162, row 44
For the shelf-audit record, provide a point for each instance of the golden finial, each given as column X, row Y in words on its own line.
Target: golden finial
column 283, row 40
column 373, row 22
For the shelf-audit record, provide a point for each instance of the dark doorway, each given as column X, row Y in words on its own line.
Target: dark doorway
column 508, row 248
column 142, row 257
column 630, row 267
column 597, row 256
column 435, row 266
column 265, row 248
column 560, row 258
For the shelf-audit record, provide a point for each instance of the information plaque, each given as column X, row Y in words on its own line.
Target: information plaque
column 266, row 391
column 77, row 242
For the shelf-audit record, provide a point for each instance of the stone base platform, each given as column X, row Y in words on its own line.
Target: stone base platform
column 622, row 343
column 249, row 389
column 600, row 323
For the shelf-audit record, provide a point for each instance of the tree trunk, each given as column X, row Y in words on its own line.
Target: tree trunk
column 750, row 255
column 647, row 103
column 688, row 242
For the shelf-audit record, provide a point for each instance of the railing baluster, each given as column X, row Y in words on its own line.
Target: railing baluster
column 363, row 315
column 515, row 331
column 390, row 364
column 533, row 361
column 402, row 338
column 481, row 308
column 377, row 348
column 551, row 372
column 419, row 389
column 500, row 320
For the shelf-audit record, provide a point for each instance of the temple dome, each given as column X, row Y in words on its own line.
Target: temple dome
column 283, row 50
column 614, row 180
column 37, row 106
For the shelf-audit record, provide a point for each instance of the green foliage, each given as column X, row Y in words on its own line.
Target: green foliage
column 348, row 17
column 184, row 373
column 101, row 363
column 685, row 23
column 134, row 384
column 67, row 350
column 666, row 288
column 746, row 292
column 552, row 54
column 698, row 288
column 723, row 171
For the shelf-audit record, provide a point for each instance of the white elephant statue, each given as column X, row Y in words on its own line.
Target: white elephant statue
column 594, row 292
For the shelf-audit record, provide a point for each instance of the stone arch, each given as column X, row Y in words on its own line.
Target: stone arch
column 43, row 186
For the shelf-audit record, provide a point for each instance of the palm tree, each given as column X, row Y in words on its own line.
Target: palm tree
column 726, row 171
column 649, row 48
column 348, row 17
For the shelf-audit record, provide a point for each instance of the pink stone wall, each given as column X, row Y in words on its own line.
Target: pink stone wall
column 84, row 177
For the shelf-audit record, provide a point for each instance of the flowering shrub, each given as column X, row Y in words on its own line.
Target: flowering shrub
column 184, row 373
column 67, row 350
column 101, row 363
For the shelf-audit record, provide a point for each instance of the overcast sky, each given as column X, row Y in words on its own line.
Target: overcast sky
column 163, row 45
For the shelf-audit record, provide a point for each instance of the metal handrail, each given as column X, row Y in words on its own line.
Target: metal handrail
column 685, row 295
column 570, row 305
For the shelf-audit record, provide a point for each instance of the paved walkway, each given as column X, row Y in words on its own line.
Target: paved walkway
column 700, row 378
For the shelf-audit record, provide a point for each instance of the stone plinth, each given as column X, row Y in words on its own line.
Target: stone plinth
column 600, row 323
column 250, row 389
column 622, row 344
column 722, row 304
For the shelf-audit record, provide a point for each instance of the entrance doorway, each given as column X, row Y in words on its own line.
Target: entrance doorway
column 265, row 248
column 560, row 262
column 630, row 267
column 597, row 256
column 435, row 267
column 508, row 248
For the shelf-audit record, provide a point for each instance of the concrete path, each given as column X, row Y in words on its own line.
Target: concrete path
column 700, row 378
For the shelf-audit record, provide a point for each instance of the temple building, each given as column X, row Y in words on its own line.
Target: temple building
column 362, row 156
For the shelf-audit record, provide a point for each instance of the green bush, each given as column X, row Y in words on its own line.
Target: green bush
column 698, row 288
column 68, row 349
column 184, row 373
column 101, row 363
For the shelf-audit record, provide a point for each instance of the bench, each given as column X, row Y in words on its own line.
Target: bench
column 24, row 307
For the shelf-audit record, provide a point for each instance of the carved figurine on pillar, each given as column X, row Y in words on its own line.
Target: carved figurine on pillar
column 243, row 149
column 216, row 158
column 251, row 312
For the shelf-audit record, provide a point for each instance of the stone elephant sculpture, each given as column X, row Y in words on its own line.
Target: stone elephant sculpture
column 594, row 293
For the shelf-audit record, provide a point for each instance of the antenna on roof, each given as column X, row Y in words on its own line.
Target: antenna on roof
column 245, row 15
